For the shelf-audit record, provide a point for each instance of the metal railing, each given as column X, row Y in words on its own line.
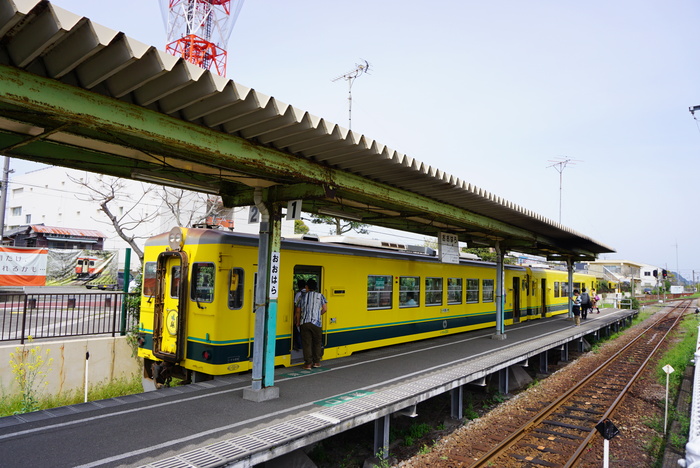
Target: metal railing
column 59, row 315
column 692, row 448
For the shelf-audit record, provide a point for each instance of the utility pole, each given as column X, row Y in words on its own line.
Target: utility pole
column 3, row 206
column 350, row 77
column 678, row 271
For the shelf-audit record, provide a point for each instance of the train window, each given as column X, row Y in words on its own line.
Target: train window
column 379, row 291
column 472, row 291
column 488, row 290
column 578, row 286
column 454, row 290
column 409, row 291
column 175, row 281
column 565, row 289
column 556, row 289
column 203, row 282
column 433, row 291
column 235, row 289
column 149, row 279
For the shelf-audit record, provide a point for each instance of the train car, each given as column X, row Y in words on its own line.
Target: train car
column 85, row 266
column 197, row 308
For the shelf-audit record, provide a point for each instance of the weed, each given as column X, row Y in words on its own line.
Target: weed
column 498, row 398
column 383, row 459
column 419, row 430
column 12, row 404
column 678, row 441
column 424, row 449
column 469, row 411
column 28, row 368
column 535, row 382
column 655, row 422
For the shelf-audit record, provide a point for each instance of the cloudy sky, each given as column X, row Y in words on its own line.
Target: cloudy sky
column 495, row 93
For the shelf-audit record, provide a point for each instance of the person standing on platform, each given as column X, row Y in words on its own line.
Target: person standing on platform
column 301, row 290
column 576, row 307
column 595, row 301
column 585, row 304
column 312, row 305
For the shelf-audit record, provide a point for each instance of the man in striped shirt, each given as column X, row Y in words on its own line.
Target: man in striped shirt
column 311, row 306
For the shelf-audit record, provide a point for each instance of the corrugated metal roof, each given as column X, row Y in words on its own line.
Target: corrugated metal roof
column 48, row 41
column 66, row 231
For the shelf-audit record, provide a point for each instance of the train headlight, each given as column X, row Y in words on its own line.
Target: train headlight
column 176, row 238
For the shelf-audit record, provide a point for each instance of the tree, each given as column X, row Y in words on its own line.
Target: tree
column 341, row 226
column 130, row 210
column 300, row 227
column 488, row 255
column 193, row 208
column 108, row 192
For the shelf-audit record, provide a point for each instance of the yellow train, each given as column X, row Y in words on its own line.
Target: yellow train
column 197, row 298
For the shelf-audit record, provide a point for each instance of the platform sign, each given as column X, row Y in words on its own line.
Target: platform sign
column 253, row 215
column 449, row 248
column 294, row 209
column 274, row 275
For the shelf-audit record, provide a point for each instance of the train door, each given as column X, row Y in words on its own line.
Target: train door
column 516, row 299
column 305, row 272
column 543, row 292
column 169, row 309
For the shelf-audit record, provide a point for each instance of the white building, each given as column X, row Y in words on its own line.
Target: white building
column 54, row 196
column 625, row 271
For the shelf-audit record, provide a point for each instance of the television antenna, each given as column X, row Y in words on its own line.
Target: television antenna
column 350, row 77
column 559, row 164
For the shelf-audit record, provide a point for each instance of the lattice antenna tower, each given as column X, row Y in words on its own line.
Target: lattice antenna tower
column 350, row 77
column 198, row 30
column 559, row 164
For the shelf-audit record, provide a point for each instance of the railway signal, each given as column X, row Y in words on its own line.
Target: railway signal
column 607, row 429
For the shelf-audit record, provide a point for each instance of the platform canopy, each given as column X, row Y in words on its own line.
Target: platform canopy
column 76, row 94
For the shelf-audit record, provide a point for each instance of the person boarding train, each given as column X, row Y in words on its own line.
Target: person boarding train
column 312, row 305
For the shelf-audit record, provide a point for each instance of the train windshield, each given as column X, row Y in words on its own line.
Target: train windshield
column 203, row 282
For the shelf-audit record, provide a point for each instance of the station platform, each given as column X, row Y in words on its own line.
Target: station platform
column 211, row 424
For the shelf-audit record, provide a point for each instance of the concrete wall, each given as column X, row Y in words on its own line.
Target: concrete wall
column 110, row 358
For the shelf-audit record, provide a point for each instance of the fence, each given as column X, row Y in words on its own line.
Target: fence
column 59, row 315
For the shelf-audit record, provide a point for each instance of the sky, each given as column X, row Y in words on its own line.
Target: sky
column 496, row 93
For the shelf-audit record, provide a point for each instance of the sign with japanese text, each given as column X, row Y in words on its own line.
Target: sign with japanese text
column 449, row 247
column 274, row 274
column 22, row 266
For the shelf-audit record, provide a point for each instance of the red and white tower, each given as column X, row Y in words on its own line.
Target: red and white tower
column 198, row 30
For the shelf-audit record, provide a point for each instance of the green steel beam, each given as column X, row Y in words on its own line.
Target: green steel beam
column 50, row 103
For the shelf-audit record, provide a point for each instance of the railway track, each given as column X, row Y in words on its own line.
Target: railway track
column 556, row 435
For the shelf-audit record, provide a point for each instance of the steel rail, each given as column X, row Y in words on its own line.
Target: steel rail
column 684, row 305
column 548, row 410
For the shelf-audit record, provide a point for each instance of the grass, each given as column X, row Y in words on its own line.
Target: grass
column 679, row 355
column 12, row 404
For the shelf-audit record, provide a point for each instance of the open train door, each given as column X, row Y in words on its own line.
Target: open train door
column 543, row 310
column 169, row 310
column 516, row 299
column 306, row 272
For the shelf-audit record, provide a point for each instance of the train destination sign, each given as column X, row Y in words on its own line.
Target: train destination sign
column 449, row 248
